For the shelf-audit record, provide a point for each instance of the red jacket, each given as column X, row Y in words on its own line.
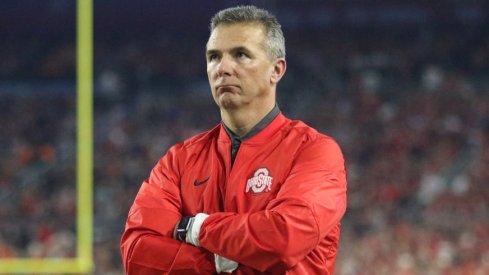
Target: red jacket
column 276, row 210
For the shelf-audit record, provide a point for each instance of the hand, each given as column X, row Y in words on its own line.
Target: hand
column 224, row 265
column 188, row 229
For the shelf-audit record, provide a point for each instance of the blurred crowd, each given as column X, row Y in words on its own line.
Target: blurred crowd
column 409, row 107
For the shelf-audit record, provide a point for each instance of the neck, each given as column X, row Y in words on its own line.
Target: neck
column 241, row 121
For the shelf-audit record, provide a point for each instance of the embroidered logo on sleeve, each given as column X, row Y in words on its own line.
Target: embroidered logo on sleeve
column 260, row 182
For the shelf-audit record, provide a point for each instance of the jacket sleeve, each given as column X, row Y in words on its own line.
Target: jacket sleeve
column 309, row 205
column 147, row 245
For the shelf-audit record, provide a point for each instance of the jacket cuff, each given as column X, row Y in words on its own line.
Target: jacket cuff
column 193, row 233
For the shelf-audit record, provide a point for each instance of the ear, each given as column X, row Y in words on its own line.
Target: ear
column 278, row 70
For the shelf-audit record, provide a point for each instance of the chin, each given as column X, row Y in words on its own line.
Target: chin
column 228, row 103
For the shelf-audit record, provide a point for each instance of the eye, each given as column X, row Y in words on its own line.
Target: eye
column 241, row 55
column 212, row 57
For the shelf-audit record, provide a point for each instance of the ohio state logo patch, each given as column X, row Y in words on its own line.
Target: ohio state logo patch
column 260, row 182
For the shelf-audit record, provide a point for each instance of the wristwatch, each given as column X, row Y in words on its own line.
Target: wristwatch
column 183, row 227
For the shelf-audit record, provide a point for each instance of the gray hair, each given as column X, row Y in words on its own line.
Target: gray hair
column 275, row 42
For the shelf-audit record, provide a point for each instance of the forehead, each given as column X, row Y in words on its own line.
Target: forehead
column 236, row 35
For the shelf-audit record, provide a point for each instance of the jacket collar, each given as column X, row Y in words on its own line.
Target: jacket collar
column 263, row 130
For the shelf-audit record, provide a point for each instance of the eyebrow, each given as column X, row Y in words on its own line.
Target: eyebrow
column 233, row 50
column 211, row 52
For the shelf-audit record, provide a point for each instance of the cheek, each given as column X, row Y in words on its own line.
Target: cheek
column 260, row 76
column 209, row 72
column 253, row 73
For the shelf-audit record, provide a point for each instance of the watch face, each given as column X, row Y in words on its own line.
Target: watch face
column 184, row 222
column 183, row 227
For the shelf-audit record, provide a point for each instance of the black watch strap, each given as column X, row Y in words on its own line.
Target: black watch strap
column 183, row 227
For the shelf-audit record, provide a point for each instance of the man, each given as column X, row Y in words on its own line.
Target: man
column 259, row 193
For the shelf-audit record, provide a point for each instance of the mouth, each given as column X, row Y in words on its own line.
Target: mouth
column 226, row 88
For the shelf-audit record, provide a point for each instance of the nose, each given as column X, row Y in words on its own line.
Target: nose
column 225, row 66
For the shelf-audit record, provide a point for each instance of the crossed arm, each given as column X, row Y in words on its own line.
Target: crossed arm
column 308, row 206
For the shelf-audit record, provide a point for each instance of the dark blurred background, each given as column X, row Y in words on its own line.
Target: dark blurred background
column 403, row 86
